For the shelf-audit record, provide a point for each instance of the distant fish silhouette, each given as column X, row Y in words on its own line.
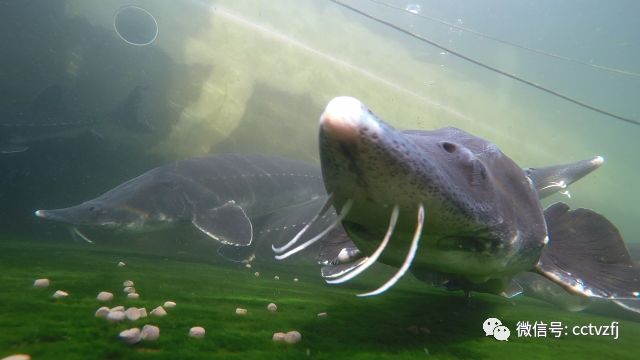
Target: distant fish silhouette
column 56, row 113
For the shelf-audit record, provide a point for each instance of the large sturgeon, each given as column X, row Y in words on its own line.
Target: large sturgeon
column 223, row 196
column 449, row 205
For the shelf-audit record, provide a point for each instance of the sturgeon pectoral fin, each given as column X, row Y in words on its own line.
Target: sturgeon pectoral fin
column 227, row 224
column 586, row 255
column 514, row 289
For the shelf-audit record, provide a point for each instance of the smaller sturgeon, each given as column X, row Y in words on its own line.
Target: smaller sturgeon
column 221, row 195
column 450, row 205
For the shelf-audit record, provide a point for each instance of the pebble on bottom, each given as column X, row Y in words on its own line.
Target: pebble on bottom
column 159, row 311
column 18, row 357
column 197, row 332
column 291, row 337
column 150, row 333
column 131, row 336
column 241, row 311
column 41, row 283
column 59, row 294
column 104, row 296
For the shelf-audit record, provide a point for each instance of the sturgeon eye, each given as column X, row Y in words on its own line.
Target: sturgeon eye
column 448, row 147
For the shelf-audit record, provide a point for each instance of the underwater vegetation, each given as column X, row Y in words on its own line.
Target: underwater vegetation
column 399, row 325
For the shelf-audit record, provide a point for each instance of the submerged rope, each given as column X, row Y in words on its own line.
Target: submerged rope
column 506, row 42
column 488, row 67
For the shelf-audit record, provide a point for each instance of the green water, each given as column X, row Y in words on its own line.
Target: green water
column 251, row 76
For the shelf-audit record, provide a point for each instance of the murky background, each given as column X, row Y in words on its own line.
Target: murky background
column 253, row 76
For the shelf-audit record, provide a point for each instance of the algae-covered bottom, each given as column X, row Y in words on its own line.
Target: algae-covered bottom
column 412, row 321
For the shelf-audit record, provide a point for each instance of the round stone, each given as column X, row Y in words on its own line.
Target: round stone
column 133, row 296
column 131, row 336
column 272, row 307
column 292, row 337
column 116, row 316
column 159, row 311
column 41, row 283
column 129, row 289
column 132, row 314
column 102, row 312
column 278, row 337
column 169, row 304
column 196, row 332
column 143, row 312
column 59, row 294
column 104, row 296
column 241, row 311
column 121, row 264
column 18, row 357
column 150, row 333
column 127, row 283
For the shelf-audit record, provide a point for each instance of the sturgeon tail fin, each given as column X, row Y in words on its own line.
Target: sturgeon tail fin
column 586, row 255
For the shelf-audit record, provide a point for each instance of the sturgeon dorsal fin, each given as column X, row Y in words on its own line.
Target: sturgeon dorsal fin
column 228, row 224
column 586, row 255
column 551, row 179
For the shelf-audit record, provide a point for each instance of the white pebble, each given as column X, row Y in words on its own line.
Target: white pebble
column 102, row 312
column 248, row 266
column 18, row 357
column 272, row 307
column 150, row 333
column 278, row 337
column 292, row 337
column 143, row 312
column 276, row 277
column 132, row 314
column 131, row 336
column 118, row 308
column 127, row 283
column 322, row 315
column 159, row 311
column 116, row 316
column 256, row 273
column 104, row 296
column 241, row 311
column 133, row 296
column 129, row 289
column 197, row 332
column 121, row 264
column 41, row 283
column 59, row 294
column 169, row 304
column 295, row 279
